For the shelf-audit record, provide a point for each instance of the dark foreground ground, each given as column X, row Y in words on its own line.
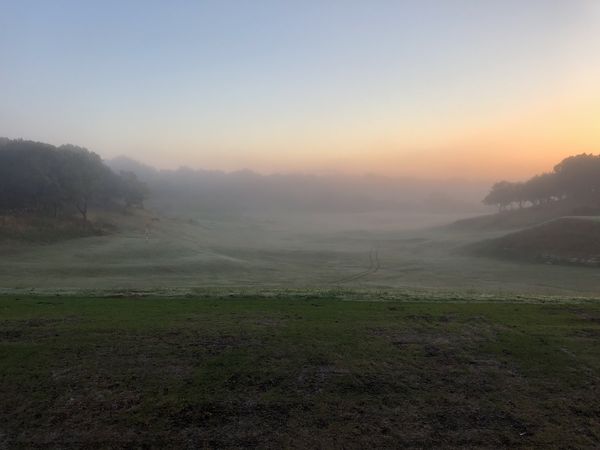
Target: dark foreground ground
column 303, row 372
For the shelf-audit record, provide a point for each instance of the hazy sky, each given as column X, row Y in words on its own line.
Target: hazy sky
column 476, row 88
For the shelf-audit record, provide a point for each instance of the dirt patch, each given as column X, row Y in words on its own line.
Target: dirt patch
column 270, row 322
column 33, row 329
column 444, row 330
column 11, row 334
column 246, row 424
column 587, row 316
column 193, row 341
column 313, row 379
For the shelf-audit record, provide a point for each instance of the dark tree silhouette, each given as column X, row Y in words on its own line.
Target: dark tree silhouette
column 575, row 179
column 501, row 195
column 41, row 178
column 578, row 177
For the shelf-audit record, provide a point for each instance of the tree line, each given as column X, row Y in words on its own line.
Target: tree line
column 44, row 179
column 575, row 179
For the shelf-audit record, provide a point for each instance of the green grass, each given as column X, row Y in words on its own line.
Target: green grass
column 297, row 372
column 291, row 251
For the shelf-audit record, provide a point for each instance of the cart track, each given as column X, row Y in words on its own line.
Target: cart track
column 374, row 266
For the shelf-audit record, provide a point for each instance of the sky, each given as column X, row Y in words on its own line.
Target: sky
column 476, row 89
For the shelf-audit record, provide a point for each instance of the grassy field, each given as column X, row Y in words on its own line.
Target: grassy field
column 357, row 251
column 308, row 370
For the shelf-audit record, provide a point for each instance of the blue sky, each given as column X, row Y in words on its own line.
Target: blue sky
column 286, row 85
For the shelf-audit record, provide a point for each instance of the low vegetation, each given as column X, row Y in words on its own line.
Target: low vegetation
column 297, row 372
column 41, row 229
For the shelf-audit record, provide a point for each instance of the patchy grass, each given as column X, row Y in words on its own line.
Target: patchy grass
column 312, row 372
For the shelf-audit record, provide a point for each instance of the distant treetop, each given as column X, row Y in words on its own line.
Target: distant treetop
column 575, row 179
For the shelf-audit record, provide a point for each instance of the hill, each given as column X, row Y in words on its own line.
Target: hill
column 568, row 240
column 525, row 217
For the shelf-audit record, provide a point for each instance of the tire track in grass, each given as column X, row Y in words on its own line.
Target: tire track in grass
column 374, row 266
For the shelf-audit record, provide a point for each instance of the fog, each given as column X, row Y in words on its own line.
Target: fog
column 299, row 224
column 72, row 221
column 245, row 191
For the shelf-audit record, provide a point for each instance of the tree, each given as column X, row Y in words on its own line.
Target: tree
column 85, row 178
column 502, row 195
column 133, row 191
column 578, row 177
column 541, row 189
column 41, row 178
column 27, row 180
column 575, row 179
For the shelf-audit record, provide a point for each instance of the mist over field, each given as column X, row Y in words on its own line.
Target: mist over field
column 340, row 224
column 191, row 228
column 247, row 191
column 80, row 223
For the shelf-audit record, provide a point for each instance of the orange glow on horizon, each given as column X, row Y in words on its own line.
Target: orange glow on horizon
column 514, row 148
